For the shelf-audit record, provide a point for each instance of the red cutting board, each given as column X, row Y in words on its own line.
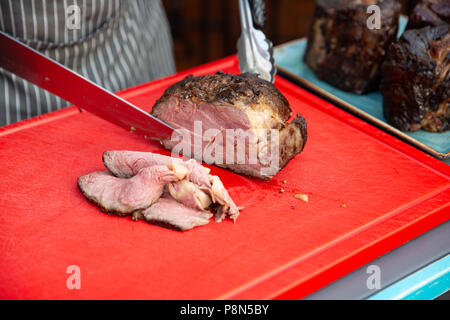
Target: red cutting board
column 368, row 193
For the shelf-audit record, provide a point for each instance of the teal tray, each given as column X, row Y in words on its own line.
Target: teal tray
column 289, row 62
column 425, row 284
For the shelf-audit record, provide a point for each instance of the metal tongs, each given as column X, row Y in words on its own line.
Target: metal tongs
column 255, row 52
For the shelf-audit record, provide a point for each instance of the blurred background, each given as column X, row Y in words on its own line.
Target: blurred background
column 206, row 30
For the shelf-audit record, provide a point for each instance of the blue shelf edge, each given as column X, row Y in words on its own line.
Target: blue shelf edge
column 425, row 284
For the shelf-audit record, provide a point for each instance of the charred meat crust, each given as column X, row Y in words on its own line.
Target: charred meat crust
column 230, row 89
column 105, row 163
column 286, row 155
column 416, row 80
column 300, row 122
column 429, row 13
column 164, row 224
column 342, row 50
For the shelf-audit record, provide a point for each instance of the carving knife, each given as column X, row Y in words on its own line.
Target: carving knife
column 52, row 76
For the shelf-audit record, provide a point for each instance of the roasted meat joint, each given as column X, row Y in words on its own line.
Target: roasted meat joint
column 238, row 122
column 342, row 50
column 416, row 80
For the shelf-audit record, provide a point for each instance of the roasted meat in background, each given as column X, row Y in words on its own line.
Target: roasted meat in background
column 416, row 80
column 409, row 5
column 429, row 13
column 166, row 191
column 242, row 103
column 342, row 50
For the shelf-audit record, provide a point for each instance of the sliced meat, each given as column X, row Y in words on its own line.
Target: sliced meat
column 342, row 50
column 409, row 6
column 220, row 196
column 189, row 194
column 200, row 198
column 159, row 189
column 124, row 196
column 198, row 191
column 240, row 117
column 125, row 164
column 169, row 213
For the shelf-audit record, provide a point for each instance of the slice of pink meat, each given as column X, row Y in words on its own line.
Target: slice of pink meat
column 124, row 196
column 125, row 164
column 169, row 213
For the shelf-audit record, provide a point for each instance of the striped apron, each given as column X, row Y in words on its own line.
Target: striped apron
column 114, row 43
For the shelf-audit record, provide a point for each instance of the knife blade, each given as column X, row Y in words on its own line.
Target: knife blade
column 48, row 74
